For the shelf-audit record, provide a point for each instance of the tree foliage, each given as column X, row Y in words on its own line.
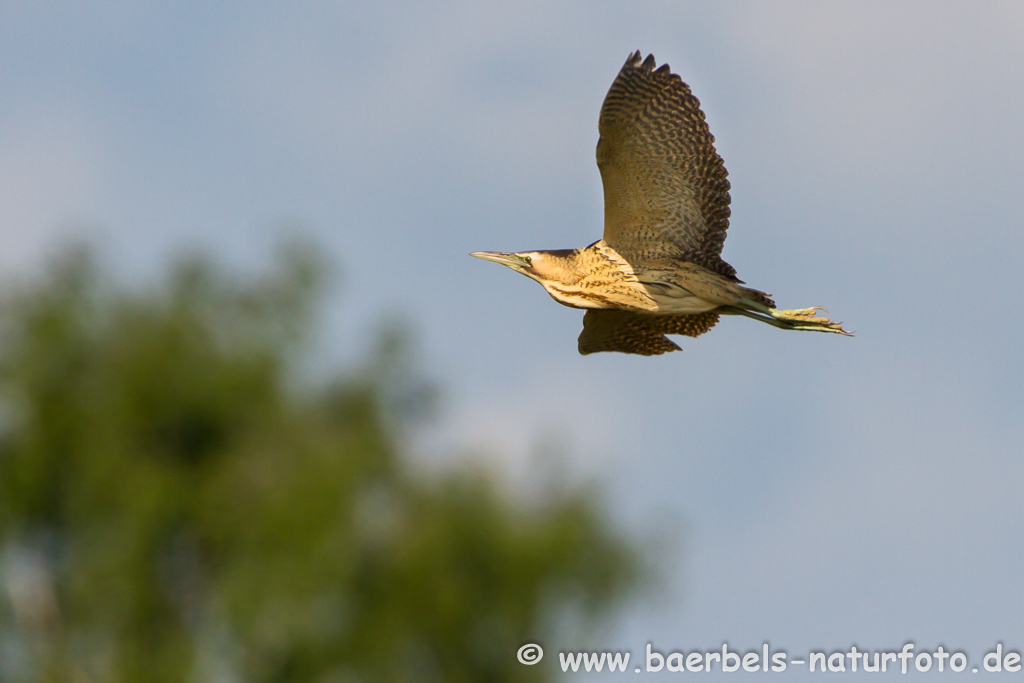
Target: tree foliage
column 176, row 505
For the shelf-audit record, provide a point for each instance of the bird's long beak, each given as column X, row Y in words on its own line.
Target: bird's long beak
column 504, row 258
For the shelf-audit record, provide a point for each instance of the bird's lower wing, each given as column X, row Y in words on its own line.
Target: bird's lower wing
column 625, row 332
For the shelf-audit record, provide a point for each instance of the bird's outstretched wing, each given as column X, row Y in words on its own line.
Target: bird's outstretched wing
column 665, row 187
column 644, row 334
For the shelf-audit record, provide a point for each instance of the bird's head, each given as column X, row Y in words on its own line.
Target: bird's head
column 542, row 266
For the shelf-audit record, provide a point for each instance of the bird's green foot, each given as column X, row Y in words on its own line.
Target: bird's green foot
column 808, row 319
column 798, row 313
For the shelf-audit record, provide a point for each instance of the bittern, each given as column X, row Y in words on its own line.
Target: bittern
column 658, row 268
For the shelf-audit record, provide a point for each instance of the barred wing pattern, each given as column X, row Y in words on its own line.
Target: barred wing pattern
column 665, row 187
column 612, row 330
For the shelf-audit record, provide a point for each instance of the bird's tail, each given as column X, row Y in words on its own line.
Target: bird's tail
column 757, row 296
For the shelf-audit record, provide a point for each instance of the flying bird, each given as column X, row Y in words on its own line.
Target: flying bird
column 658, row 268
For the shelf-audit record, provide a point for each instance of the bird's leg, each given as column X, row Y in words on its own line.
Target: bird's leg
column 808, row 319
column 793, row 319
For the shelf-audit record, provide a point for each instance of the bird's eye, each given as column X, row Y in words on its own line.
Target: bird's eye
column 529, row 261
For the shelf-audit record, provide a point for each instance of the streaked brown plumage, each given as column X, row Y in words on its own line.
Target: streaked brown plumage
column 658, row 268
column 644, row 334
column 665, row 187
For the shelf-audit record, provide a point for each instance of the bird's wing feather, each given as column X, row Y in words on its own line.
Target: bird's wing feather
column 626, row 332
column 665, row 187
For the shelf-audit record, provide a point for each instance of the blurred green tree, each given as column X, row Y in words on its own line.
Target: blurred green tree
column 176, row 505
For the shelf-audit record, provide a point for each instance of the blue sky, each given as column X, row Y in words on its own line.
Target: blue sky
column 813, row 490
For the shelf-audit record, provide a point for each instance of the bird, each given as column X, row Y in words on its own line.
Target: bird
column 657, row 270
